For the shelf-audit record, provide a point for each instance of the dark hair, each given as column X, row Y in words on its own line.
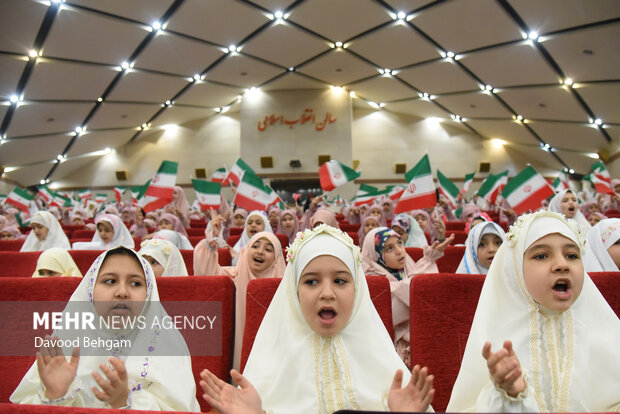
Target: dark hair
column 122, row 251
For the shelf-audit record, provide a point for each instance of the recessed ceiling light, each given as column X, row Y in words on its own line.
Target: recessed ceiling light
column 100, row 99
column 278, row 15
column 568, row 81
column 338, row 44
column 156, row 25
column 125, row 65
column 533, row 35
column 232, row 48
column 14, row 98
column 450, row 54
column 197, row 76
column 401, row 15
column 571, row 171
column 291, row 69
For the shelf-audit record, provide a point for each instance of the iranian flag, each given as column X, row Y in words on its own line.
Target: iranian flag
column 207, row 194
column 369, row 198
column 420, row 192
column 220, row 176
column 85, row 194
column 364, row 195
column 237, row 171
column 160, row 190
column 20, row 198
column 101, row 198
column 469, row 178
column 275, row 198
column 448, row 189
column 334, row 174
column 600, row 179
column 251, row 193
column 493, row 186
column 527, row 190
column 396, row 191
column 45, row 193
column 561, row 183
column 118, row 193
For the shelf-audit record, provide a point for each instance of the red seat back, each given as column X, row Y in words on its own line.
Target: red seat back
column 235, row 231
column 83, row 234
column 11, row 245
column 448, row 263
column 346, row 227
column 455, row 225
column 195, row 231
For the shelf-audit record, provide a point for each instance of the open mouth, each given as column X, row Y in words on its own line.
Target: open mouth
column 571, row 209
column 252, row 231
column 327, row 315
column 258, row 259
column 562, row 287
column 120, row 308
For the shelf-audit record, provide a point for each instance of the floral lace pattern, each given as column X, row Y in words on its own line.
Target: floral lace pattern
column 303, row 237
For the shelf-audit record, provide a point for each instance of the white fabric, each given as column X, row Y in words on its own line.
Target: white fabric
column 245, row 238
column 415, row 235
column 174, row 237
column 156, row 382
column 56, row 236
column 469, row 262
column 579, row 218
column 166, row 254
column 122, row 236
column 296, row 370
column 576, row 349
column 600, row 238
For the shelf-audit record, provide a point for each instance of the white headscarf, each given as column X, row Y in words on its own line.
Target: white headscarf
column 166, row 255
column 56, row 236
column 295, row 369
column 555, row 206
column 174, row 237
column 600, row 238
column 122, row 236
column 570, row 358
column 157, row 382
column 415, row 235
column 469, row 262
column 57, row 260
column 245, row 238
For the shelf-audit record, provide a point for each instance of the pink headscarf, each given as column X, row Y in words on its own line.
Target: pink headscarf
column 14, row 230
column 485, row 216
column 389, row 215
column 290, row 234
column 181, row 205
column 176, row 223
column 361, row 234
column 468, row 209
column 3, row 222
column 325, row 216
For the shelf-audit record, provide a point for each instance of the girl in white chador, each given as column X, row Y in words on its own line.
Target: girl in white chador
column 603, row 247
column 482, row 243
column 322, row 346
column 557, row 336
column 565, row 202
column 154, row 373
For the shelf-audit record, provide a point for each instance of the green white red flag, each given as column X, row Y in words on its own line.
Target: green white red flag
column 118, row 193
column 20, row 198
column 220, row 176
column 101, row 198
column 493, row 186
column 396, row 191
column 469, row 178
column 448, row 189
column 207, row 194
column 420, row 192
column 600, row 178
column 561, row 183
column 237, row 171
column 85, row 194
column 160, row 191
column 333, row 174
column 251, row 193
column 45, row 193
column 527, row 190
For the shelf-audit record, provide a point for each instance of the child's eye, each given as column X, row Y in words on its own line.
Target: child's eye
column 136, row 283
column 482, row 245
column 310, row 282
column 341, row 281
column 540, row 256
column 572, row 256
column 109, row 281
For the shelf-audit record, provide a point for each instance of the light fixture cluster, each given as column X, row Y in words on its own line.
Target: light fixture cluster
column 458, row 118
column 61, row 158
column 79, row 130
column 338, row 45
column 426, row 96
column 546, row 147
column 44, row 181
column 597, row 122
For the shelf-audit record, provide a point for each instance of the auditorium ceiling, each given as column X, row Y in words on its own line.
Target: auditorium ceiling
column 80, row 76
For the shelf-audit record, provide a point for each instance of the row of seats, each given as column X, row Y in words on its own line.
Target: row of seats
column 22, row 264
column 439, row 325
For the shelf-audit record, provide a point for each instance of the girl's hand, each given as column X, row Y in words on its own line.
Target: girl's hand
column 228, row 399
column 440, row 226
column 417, row 394
column 505, row 368
column 55, row 372
column 115, row 388
column 440, row 247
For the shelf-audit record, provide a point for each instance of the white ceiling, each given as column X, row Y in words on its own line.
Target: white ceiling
column 82, row 43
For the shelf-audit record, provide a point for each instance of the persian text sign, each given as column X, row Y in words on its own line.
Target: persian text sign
column 307, row 117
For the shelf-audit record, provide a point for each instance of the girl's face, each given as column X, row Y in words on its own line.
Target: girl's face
column 165, row 225
column 363, row 209
column 614, row 252
column 5, row 235
column 617, row 188
column 238, row 220
column 326, row 294
column 40, row 231
column 77, row 221
column 369, row 225
column 106, row 231
column 120, row 289
column 489, row 243
column 158, row 269
column 592, row 208
column 593, row 219
column 48, row 273
column 569, row 205
column 288, row 222
column 274, row 219
column 376, row 211
column 254, row 225
column 386, row 207
column 394, row 254
column 126, row 215
column 553, row 272
column 422, row 221
column 401, row 232
column 262, row 254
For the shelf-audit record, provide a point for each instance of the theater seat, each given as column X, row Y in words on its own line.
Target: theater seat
column 261, row 291
column 83, row 234
column 235, row 231
column 11, row 245
column 195, row 231
column 448, row 263
column 455, row 225
column 346, row 227
column 608, row 283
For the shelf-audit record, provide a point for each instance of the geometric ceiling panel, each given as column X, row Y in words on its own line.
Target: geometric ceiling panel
column 67, row 168
column 339, row 20
column 518, row 64
column 394, row 46
column 293, row 80
column 603, row 99
column 146, row 11
column 587, row 55
column 473, row 23
column 285, row 45
column 548, row 102
column 11, row 69
column 90, row 37
column 50, row 78
column 119, row 115
column 383, row 87
column 175, row 54
column 474, row 105
column 29, row 150
column 146, row 87
column 338, row 67
column 546, row 164
column 100, row 140
column 575, row 137
column 506, row 130
column 438, row 77
column 242, row 71
column 415, row 107
column 209, row 94
column 43, row 118
column 181, row 114
column 222, row 22
column 274, row 5
column 550, row 15
column 407, row 5
column 22, row 19
column 578, row 161
column 31, row 175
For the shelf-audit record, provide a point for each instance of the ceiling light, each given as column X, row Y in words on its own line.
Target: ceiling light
column 225, row 109
column 401, row 15
column 568, row 81
column 598, row 121
column 42, row 182
column 497, row 143
column 533, row 36
column 456, row 118
column 381, row 105
column 79, row 130
column 232, row 48
column 217, row 109
column 125, row 65
column 450, row 54
column 488, row 87
column 100, row 99
column 14, row 98
column 279, row 15
column 338, row 44
column 518, row 118
column 168, row 102
column 197, row 77
column 571, row 171
column 156, row 25
column 374, row 104
column 386, row 72
column 291, row 69
column 352, row 94
column 33, row 53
